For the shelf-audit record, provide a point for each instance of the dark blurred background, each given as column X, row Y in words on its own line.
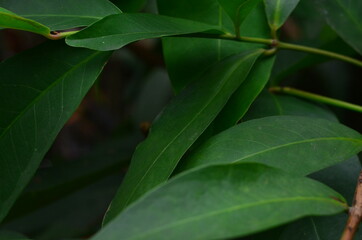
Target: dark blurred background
column 80, row 174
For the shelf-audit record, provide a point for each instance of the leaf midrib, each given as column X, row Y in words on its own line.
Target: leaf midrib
column 45, row 91
column 286, row 145
column 187, row 125
column 239, row 207
column 277, row 13
column 296, row 143
column 122, row 35
column 61, row 15
column 168, row 32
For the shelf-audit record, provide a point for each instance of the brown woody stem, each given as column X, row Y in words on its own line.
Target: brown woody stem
column 355, row 213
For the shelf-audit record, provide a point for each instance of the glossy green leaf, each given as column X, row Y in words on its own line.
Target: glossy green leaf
column 277, row 11
column 241, row 100
column 130, row 6
column 342, row 178
column 345, row 17
column 268, row 104
column 5, row 235
column 222, row 202
column 35, row 103
column 298, row 145
column 238, row 10
column 184, row 69
column 206, row 11
column 11, row 20
column 178, row 127
column 61, row 14
column 118, row 30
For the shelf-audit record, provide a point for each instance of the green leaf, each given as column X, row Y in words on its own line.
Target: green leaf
column 5, row 235
column 178, row 127
column 61, row 14
column 11, row 20
column 345, row 17
column 241, row 100
column 238, row 10
column 39, row 90
column 222, row 202
column 206, row 11
column 298, row 145
column 188, row 58
column 342, row 178
column 268, row 104
column 118, row 30
column 130, row 6
column 277, row 11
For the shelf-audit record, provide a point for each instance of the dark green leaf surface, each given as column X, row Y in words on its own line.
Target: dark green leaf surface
column 221, row 202
column 241, row 100
column 268, row 104
column 118, row 30
column 277, row 11
column 178, row 127
column 11, row 20
column 130, row 6
column 238, row 10
column 188, row 58
column 342, row 178
column 61, row 14
column 297, row 145
column 345, row 17
column 35, row 102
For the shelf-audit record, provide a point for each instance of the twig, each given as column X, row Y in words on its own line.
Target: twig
column 316, row 97
column 274, row 43
column 355, row 213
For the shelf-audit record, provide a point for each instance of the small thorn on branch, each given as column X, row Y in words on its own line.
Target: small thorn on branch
column 355, row 213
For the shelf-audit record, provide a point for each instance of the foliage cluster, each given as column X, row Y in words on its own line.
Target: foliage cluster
column 226, row 158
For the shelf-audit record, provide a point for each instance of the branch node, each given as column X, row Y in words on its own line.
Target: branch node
column 355, row 213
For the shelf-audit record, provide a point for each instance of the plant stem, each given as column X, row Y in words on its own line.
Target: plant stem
column 282, row 45
column 300, row 48
column 355, row 213
column 317, row 98
column 246, row 39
